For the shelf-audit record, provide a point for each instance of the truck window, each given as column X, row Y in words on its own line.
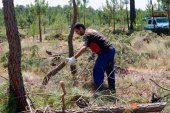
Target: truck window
column 149, row 21
column 162, row 20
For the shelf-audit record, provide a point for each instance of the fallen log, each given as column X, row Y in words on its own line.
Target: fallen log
column 53, row 72
column 141, row 108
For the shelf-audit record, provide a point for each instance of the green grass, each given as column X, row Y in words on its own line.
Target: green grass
column 3, row 97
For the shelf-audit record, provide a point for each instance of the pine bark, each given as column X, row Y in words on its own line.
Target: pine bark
column 132, row 14
column 17, row 90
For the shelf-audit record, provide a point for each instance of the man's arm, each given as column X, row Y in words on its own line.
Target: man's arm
column 80, row 52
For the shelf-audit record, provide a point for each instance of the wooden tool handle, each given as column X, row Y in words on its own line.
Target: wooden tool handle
column 64, row 93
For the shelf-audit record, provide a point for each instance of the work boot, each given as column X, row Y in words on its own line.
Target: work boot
column 112, row 88
column 113, row 92
column 108, row 95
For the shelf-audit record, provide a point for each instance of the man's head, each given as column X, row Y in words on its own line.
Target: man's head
column 79, row 29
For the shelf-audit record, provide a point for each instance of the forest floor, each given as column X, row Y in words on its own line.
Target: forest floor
column 133, row 82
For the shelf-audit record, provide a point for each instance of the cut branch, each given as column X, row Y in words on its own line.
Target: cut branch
column 53, row 72
column 141, row 108
column 64, row 93
column 4, row 77
column 159, row 85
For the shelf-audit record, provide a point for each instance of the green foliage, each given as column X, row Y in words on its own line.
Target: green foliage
column 148, row 9
column 3, row 37
column 21, row 16
column 56, row 36
column 22, row 22
column 52, row 99
column 125, row 54
column 30, row 59
column 40, row 7
column 1, row 18
column 139, row 20
column 59, row 18
column 4, row 97
column 29, row 64
column 59, row 24
column 33, row 29
column 4, row 59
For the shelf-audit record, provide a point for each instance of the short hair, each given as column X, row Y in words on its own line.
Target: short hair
column 79, row 25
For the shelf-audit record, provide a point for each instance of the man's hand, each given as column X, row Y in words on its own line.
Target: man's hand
column 70, row 60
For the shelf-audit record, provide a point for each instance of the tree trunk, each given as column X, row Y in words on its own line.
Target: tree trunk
column 84, row 19
column 169, row 21
column 153, row 16
column 84, row 16
column 40, row 33
column 17, row 90
column 113, row 16
column 78, row 14
column 169, row 28
column 70, row 37
column 49, row 19
column 44, row 29
column 114, row 23
column 70, row 15
column 100, row 20
column 70, row 19
column 127, row 16
column 132, row 14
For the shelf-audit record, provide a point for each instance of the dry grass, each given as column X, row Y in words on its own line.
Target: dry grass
column 154, row 46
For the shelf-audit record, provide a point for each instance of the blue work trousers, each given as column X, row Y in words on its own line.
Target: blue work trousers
column 104, row 63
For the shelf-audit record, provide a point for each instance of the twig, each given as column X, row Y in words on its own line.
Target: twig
column 29, row 106
column 4, row 77
column 30, row 99
column 32, row 104
column 159, row 85
column 166, row 95
column 64, row 93
column 47, row 110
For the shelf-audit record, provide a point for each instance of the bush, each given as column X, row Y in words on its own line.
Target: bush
column 4, row 60
column 30, row 59
column 57, row 36
column 3, row 97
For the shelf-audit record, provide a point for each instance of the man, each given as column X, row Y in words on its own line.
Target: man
column 105, row 51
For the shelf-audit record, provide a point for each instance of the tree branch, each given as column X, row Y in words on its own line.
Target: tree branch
column 159, row 85
column 4, row 77
column 142, row 108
